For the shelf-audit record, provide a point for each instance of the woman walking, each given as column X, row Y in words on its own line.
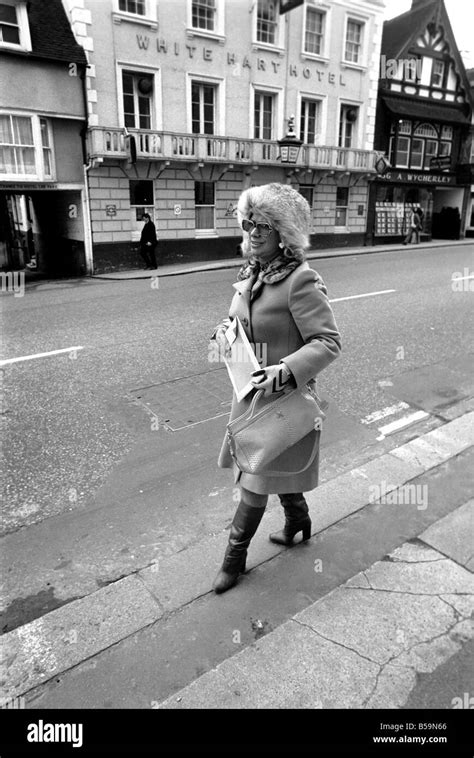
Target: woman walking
column 282, row 304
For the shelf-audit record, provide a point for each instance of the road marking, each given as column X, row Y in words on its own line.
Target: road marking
column 40, row 355
column 388, row 411
column 401, row 423
column 366, row 294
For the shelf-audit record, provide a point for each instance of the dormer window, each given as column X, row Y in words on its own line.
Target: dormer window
column 437, row 76
column 14, row 29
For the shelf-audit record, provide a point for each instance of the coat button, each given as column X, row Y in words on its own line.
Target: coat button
column 245, row 321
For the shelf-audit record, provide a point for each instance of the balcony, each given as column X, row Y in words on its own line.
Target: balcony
column 113, row 143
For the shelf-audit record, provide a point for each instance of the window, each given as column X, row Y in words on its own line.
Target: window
column 309, row 121
column 9, row 25
column 137, row 7
column 14, row 29
column 403, row 151
column 313, row 39
column 141, row 192
column 353, row 47
column 416, row 160
column 347, row 122
column 431, row 151
column 342, row 202
column 203, row 14
column 437, row 74
column 137, row 99
column 263, row 115
column 204, row 202
column 267, row 21
column 203, row 108
column 26, row 147
column 412, row 69
column 47, row 151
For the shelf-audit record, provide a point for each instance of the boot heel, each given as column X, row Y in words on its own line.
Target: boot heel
column 306, row 532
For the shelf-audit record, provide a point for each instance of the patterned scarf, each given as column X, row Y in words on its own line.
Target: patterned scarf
column 267, row 273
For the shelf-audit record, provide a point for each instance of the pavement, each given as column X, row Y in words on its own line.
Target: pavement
column 175, row 269
column 372, row 612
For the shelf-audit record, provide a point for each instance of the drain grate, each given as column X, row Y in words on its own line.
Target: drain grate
column 184, row 402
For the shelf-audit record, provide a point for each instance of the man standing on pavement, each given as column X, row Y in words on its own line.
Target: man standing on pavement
column 148, row 242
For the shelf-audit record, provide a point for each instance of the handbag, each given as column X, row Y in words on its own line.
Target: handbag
column 260, row 435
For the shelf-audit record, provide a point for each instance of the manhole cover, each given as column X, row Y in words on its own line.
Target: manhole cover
column 184, row 402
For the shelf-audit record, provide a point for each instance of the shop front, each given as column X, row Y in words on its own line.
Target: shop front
column 394, row 195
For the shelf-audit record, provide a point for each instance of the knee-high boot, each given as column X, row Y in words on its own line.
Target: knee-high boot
column 243, row 527
column 296, row 519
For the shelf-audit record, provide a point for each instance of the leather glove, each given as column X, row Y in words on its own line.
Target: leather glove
column 272, row 379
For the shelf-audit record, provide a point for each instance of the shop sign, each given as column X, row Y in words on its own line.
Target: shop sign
column 25, row 186
column 417, row 178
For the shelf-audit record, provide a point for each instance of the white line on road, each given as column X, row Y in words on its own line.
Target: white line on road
column 401, row 423
column 388, row 411
column 40, row 355
column 366, row 294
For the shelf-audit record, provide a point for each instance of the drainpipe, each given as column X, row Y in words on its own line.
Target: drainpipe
column 87, row 164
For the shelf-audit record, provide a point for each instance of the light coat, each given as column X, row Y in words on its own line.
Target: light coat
column 293, row 321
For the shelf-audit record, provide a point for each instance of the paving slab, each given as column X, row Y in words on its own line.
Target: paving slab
column 379, row 630
column 46, row 646
column 453, row 535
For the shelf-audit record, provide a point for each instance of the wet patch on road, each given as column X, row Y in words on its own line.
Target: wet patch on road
column 25, row 609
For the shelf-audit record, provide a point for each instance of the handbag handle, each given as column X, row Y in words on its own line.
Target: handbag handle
column 258, row 395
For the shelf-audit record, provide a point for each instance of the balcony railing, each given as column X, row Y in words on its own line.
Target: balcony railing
column 150, row 145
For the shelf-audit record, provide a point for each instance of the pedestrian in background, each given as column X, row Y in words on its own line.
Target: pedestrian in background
column 416, row 225
column 282, row 304
column 148, row 242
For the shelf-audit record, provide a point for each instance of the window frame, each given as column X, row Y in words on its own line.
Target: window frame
column 364, row 22
column 149, row 19
column 279, row 43
column 318, row 126
column 219, row 26
column 276, row 93
column 40, row 172
column 23, row 28
column 156, row 108
column 219, row 116
column 355, row 125
column 442, row 84
column 208, row 230
column 339, row 227
column 324, row 12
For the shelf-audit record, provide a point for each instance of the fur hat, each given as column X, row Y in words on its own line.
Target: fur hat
column 284, row 209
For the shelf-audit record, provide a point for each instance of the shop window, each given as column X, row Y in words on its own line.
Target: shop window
column 437, row 73
column 403, row 152
column 137, row 91
column 416, row 160
column 353, row 44
column 342, row 203
column 307, row 191
column 25, row 146
column 14, row 28
column 431, row 151
column 264, row 107
column 203, row 14
column 204, row 193
column 267, row 21
column 203, row 107
column 347, row 122
column 314, row 32
column 309, row 122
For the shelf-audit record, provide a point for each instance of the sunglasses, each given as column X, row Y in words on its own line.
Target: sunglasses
column 263, row 230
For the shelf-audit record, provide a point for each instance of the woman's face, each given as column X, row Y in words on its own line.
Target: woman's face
column 261, row 247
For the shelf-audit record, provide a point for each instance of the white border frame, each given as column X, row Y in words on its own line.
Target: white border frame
column 279, row 46
column 219, row 82
column 157, row 107
column 365, row 21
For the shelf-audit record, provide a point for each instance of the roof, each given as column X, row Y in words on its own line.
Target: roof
column 399, row 31
column 51, row 35
column 419, row 109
